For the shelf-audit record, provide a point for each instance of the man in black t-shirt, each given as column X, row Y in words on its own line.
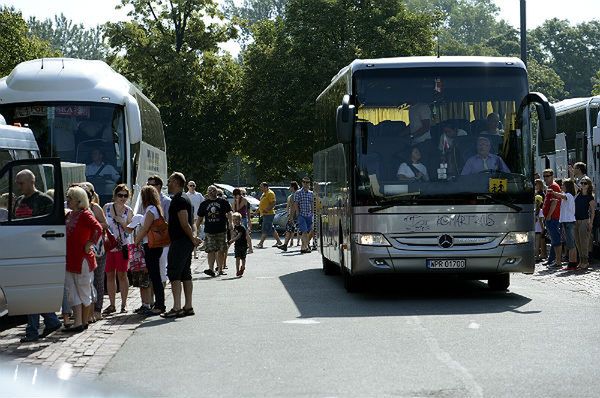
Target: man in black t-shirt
column 216, row 214
column 183, row 241
column 32, row 203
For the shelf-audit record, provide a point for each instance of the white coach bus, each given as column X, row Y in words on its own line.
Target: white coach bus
column 80, row 112
column 84, row 112
column 428, row 166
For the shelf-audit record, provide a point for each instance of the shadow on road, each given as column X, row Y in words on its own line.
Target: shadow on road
column 320, row 296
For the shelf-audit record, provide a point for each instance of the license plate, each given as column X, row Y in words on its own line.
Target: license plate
column 446, row 263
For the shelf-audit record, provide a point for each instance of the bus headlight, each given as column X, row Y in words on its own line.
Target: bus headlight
column 370, row 239
column 515, row 238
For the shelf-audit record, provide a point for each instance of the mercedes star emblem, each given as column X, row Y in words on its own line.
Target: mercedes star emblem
column 446, row 241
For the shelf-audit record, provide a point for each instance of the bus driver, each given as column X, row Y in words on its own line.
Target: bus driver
column 484, row 160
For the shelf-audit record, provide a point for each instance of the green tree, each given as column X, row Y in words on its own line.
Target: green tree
column 545, row 80
column 469, row 27
column 15, row 44
column 170, row 50
column 596, row 83
column 292, row 59
column 571, row 51
column 73, row 40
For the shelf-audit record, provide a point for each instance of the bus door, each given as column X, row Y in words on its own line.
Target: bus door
column 561, row 156
column 32, row 237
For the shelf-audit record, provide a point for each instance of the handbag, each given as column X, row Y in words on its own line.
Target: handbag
column 110, row 242
column 137, row 262
column 158, row 234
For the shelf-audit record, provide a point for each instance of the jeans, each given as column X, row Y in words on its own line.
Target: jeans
column 152, row 257
column 33, row 323
column 99, row 283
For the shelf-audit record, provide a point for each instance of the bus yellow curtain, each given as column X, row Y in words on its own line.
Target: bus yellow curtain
column 378, row 115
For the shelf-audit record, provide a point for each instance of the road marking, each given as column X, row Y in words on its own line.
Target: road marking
column 444, row 357
column 303, row 321
column 265, row 277
column 474, row 325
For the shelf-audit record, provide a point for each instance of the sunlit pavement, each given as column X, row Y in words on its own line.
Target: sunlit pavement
column 86, row 355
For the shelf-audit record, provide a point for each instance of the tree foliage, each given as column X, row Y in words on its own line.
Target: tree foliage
column 15, row 44
column 571, row 51
column 72, row 40
column 292, row 59
column 596, row 82
column 170, row 50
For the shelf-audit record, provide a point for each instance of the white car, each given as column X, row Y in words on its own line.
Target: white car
column 228, row 192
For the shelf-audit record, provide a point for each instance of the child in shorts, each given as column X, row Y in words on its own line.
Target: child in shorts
column 240, row 243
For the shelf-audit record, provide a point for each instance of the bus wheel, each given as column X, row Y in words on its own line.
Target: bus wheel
column 352, row 284
column 499, row 282
column 329, row 267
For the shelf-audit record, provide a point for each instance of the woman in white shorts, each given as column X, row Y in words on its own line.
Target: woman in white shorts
column 83, row 231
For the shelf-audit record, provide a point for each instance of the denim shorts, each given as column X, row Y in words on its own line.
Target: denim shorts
column 305, row 223
column 569, row 231
column 553, row 228
column 267, row 224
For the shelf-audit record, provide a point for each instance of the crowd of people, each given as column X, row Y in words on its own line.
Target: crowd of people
column 564, row 212
column 112, row 242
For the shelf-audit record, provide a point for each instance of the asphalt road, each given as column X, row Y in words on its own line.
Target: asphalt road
column 285, row 329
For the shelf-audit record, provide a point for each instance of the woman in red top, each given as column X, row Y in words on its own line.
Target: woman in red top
column 83, row 231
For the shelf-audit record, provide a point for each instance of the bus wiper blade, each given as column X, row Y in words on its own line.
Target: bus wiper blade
column 392, row 201
column 502, row 202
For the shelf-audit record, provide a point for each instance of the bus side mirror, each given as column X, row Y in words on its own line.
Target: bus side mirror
column 546, row 115
column 134, row 120
column 345, row 120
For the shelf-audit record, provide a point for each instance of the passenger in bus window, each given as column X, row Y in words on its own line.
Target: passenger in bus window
column 419, row 116
column 492, row 124
column 100, row 169
column 32, row 203
column 413, row 169
column 449, row 152
column 484, row 160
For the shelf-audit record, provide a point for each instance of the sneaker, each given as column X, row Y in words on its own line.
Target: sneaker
column 222, row 273
column 210, row 272
column 282, row 247
column 28, row 339
column 569, row 268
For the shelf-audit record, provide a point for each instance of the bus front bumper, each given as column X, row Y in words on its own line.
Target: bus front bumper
column 381, row 260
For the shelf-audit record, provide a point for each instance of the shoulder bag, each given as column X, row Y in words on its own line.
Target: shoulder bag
column 158, row 235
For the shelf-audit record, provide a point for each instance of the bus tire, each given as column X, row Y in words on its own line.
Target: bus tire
column 329, row 267
column 499, row 282
column 352, row 283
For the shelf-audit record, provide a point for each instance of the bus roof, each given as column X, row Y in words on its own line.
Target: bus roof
column 573, row 104
column 12, row 137
column 427, row 62
column 65, row 79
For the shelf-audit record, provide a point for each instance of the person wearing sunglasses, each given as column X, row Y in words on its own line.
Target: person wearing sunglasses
column 585, row 207
column 118, row 216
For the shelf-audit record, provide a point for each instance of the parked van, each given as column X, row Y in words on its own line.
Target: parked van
column 32, row 242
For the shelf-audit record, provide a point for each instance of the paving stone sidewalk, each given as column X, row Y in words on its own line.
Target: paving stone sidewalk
column 586, row 282
column 87, row 353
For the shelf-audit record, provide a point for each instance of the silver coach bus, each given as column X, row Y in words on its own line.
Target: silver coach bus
column 427, row 167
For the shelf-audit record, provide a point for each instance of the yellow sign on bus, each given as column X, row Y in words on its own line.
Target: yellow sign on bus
column 498, row 185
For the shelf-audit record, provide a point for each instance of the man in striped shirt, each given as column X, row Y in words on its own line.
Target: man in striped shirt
column 304, row 208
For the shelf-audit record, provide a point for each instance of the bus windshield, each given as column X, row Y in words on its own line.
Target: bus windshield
column 432, row 134
column 80, row 132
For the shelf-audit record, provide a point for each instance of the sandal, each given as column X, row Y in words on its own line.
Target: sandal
column 109, row 310
column 189, row 312
column 123, row 309
column 173, row 313
column 259, row 247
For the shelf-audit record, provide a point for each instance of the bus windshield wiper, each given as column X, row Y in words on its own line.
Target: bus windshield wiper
column 392, row 201
column 502, row 202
